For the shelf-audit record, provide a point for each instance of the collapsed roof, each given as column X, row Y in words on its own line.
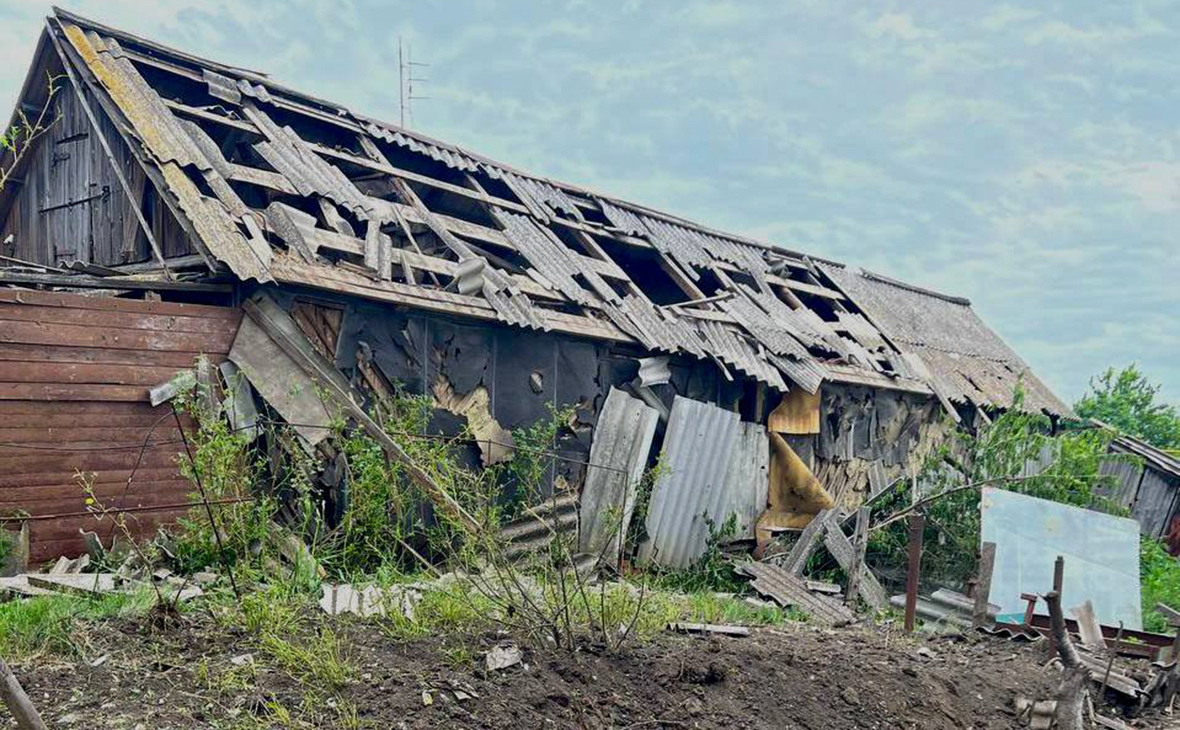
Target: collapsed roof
column 274, row 186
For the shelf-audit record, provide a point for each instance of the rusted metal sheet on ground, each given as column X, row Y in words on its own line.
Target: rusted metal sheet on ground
column 618, row 455
column 790, row 591
column 691, row 491
column 80, row 406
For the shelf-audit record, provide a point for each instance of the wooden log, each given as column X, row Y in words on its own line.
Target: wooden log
column 17, row 702
column 983, row 583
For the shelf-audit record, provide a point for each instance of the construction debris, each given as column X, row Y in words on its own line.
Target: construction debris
column 370, row 600
column 503, row 656
column 724, row 630
column 789, row 591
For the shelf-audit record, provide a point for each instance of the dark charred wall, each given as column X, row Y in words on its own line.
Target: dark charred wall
column 70, row 205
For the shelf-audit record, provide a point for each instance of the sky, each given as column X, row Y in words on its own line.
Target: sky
column 1023, row 155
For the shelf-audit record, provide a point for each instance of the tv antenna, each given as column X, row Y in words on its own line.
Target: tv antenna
column 407, row 68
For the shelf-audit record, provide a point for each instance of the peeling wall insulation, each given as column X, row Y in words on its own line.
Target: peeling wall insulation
column 870, row 437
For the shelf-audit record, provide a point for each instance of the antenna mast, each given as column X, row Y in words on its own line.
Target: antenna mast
column 406, row 81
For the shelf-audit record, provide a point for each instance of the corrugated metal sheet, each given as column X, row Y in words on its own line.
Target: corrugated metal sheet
column 451, row 157
column 309, row 173
column 552, row 260
column 622, row 219
column 692, row 490
column 789, row 591
column 619, row 451
column 540, row 524
column 748, row 479
column 221, row 86
column 142, row 106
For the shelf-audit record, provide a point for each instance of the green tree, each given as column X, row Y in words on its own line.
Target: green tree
column 1128, row 401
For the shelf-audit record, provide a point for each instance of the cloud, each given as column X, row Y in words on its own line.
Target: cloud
column 897, row 25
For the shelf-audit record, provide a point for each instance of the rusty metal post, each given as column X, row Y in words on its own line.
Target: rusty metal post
column 913, row 571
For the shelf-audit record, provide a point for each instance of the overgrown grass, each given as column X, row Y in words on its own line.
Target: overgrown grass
column 1160, row 577
column 54, row 625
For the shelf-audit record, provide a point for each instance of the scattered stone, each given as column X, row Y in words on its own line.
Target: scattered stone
column 204, row 578
column 503, row 656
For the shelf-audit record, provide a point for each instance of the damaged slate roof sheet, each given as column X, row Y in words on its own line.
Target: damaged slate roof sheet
column 392, row 215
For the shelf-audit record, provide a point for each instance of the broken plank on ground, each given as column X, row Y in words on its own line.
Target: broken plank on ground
column 724, row 629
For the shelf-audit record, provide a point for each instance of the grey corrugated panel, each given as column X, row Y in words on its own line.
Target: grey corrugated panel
column 553, row 260
column 618, row 455
column 514, row 308
column 255, row 91
column 971, row 361
column 1155, row 503
column 547, row 194
column 698, row 444
column 309, row 173
column 221, row 86
column 539, row 524
column 733, row 350
column 657, row 331
column 773, row 334
column 791, row 592
column 682, row 244
column 154, row 122
column 450, row 157
column 623, row 219
column 748, row 480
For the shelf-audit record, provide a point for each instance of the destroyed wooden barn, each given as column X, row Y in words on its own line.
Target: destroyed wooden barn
column 175, row 192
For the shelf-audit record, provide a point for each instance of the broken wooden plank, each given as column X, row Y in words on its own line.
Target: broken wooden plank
column 867, row 586
column 1088, row 627
column 723, row 629
column 82, row 281
column 860, row 539
column 814, row 531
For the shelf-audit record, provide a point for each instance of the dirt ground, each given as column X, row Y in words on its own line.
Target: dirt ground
column 210, row 676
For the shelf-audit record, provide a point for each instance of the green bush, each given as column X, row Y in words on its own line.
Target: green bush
column 1160, row 577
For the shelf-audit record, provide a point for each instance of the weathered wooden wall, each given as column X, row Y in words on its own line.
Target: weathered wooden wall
column 74, row 378
column 71, row 205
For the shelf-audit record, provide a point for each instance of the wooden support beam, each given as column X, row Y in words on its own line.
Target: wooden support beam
column 110, row 282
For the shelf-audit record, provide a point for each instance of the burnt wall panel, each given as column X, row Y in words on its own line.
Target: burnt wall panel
column 519, row 356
